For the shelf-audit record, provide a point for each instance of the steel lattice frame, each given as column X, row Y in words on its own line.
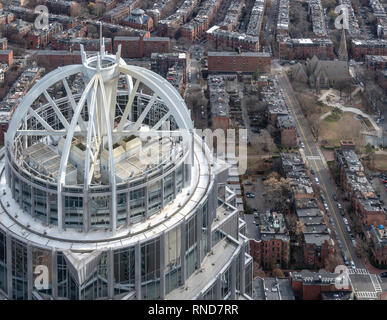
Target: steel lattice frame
column 99, row 103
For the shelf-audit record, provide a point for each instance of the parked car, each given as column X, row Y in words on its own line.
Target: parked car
column 353, row 264
column 250, row 195
column 302, row 145
column 248, row 183
column 348, row 229
column 312, row 171
column 317, row 181
column 345, row 220
column 334, row 197
column 339, row 205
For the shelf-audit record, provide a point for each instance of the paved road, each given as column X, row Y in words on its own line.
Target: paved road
column 317, row 162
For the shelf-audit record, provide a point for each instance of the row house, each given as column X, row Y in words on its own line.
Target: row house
column 365, row 203
column 169, row 26
column 196, row 28
column 233, row 40
column 139, row 47
column 245, row 62
column 361, row 48
column 271, row 246
column 301, row 49
column 37, row 39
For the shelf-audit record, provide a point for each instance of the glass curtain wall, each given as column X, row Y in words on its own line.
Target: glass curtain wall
column 3, row 262
column 124, row 271
column 19, row 271
column 150, row 269
column 172, row 259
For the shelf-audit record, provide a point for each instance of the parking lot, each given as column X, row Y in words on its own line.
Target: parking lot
column 380, row 189
column 258, row 202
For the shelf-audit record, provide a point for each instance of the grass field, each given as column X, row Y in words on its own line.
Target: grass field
column 380, row 162
column 347, row 127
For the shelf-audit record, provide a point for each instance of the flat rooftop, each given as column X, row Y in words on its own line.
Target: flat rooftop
column 49, row 236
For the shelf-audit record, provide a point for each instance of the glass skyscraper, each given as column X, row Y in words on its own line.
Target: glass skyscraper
column 108, row 193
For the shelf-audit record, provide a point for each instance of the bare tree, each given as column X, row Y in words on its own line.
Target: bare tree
column 278, row 192
column 278, row 273
column 331, row 262
column 258, row 272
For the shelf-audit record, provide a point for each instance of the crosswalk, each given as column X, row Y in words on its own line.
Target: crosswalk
column 313, row 157
column 358, row 271
column 366, row 295
column 376, row 283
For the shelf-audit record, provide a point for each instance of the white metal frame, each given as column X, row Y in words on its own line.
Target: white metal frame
column 96, row 93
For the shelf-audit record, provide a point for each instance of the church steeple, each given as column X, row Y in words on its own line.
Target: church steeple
column 343, row 51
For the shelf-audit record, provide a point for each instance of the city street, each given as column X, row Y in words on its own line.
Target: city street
column 317, row 162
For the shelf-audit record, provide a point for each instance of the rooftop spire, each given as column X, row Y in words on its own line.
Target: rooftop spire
column 101, row 41
column 343, row 52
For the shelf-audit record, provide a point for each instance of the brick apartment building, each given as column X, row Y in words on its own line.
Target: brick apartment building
column 75, row 44
column 272, row 246
column 58, row 58
column 18, row 28
column 3, row 44
column 5, row 17
column 246, row 62
column 378, row 237
column 196, row 28
column 169, row 26
column 365, row 204
column 316, row 244
column 139, row 47
column 308, row 285
column 376, row 62
column 361, row 48
column 288, row 131
column 61, row 41
column 121, row 11
column 69, row 8
column 171, row 66
column 232, row 40
column 116, row 15
column 161, row 62
column 382, row 79
column 293, row 49
column 17, row 92
column 37, row 39
column 137, row 19
column 6, row 56
column 108, row 4
column 317, row 249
